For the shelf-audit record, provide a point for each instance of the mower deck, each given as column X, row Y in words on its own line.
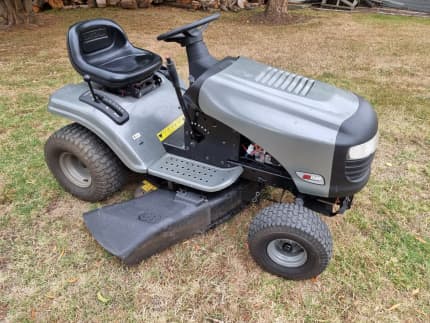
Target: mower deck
column 137, row 229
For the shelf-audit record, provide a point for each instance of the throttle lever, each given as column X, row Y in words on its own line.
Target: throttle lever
column 87, row 79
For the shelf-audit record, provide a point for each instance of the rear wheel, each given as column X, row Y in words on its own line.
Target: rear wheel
column 291, row 241
column 82, row 163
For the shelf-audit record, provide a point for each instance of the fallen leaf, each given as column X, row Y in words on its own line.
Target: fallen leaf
column 415, row 292
column 33, row 314
column 315, row 279
column 73, row 280
column 388, row 164
column 394, row 307
column 101, row 298
column 420, row 239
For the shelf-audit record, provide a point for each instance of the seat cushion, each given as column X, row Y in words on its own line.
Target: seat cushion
column 100, row 48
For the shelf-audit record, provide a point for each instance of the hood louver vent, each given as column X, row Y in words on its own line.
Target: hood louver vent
column 285, row 81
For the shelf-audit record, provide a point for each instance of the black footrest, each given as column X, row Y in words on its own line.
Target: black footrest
column 141, row 227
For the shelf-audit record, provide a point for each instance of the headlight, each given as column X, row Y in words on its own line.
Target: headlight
column 363, row 150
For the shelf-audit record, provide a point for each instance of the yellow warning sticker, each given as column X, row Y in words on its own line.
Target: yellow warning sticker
column 171, row 128
column 148, row 186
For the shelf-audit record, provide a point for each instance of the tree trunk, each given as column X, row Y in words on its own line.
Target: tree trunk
column 277, row 11
column 13, row 12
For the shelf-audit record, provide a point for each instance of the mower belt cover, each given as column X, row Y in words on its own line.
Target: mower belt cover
column 137, row 229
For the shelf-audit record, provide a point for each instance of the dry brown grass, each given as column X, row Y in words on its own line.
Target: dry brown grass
column 51, row 269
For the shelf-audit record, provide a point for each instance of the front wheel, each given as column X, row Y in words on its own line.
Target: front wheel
column 83, row 164
column 290, row 241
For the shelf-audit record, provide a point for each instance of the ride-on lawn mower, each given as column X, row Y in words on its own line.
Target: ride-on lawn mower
column 210, row 149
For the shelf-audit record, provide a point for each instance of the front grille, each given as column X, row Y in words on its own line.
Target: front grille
column 359, row 169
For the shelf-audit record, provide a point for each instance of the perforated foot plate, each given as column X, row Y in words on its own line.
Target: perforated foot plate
column 194, row 174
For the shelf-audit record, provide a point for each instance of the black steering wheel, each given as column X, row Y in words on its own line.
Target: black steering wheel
column 180, row 30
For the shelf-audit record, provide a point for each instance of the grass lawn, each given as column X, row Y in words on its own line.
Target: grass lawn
column 52, row 270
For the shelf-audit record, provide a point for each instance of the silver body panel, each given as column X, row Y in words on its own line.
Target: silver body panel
column 296, row 120
column 135, row 142
column 148, row 115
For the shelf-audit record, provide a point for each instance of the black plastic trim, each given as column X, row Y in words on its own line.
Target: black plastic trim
column 359, row 128
column 327, row 206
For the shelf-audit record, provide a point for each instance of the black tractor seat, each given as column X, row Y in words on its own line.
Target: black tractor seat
column 100, row 48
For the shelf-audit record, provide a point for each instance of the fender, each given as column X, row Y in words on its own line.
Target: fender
column 134, row 142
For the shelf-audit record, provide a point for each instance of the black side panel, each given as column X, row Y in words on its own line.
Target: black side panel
column 266, row 175
column 137, row 229
column 359, row 128
column 219, row 143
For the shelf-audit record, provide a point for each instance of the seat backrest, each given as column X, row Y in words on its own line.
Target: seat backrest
column 91, row 41
column 95, row 39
